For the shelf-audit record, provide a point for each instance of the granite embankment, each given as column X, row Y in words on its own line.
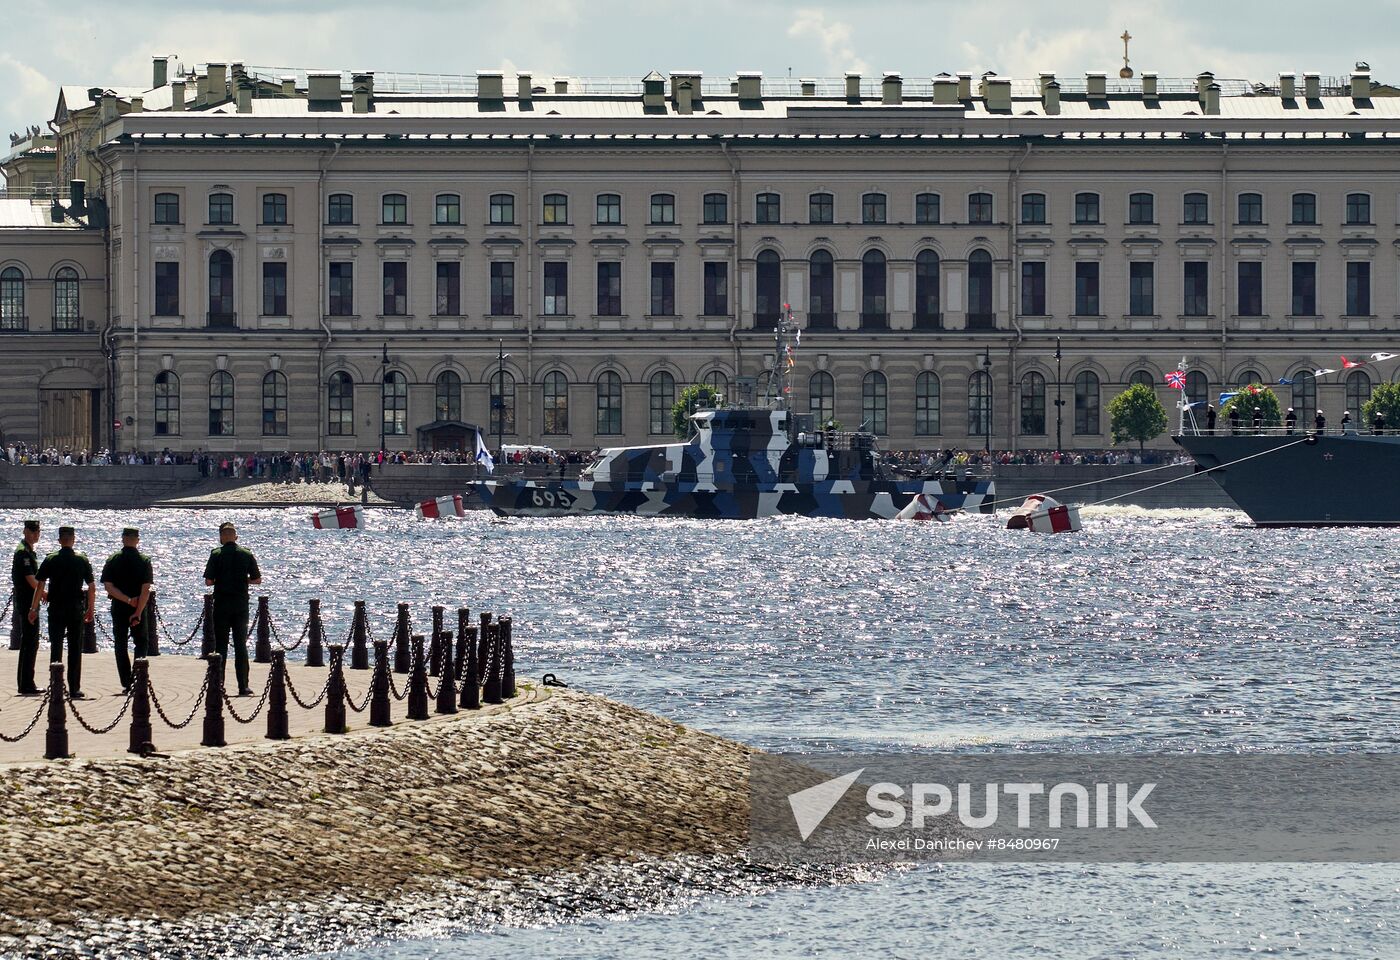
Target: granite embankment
column 555, row 785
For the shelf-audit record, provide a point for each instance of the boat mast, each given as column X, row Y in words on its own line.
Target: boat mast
column 783, row 362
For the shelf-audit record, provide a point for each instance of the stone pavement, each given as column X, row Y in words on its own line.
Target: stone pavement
column 177, row 680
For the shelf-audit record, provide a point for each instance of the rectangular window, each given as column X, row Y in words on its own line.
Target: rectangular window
column 395, row 288
column 556, row 208
column 716, row 288
column 1358, row 208
column 447, row 209
column 502, row 289
column 768, row 208
column 341, row 287
column 608, row 210
column 1033, row 288
column 872, row 208
column 167, row 288
column 1033, row 208
column 1086, row 208
column 1304, row 289
column 663, row 289
column 1086, row 289
column 926, row 208
column 340, row 209
column 274, row 299
column 556, row 288
column 394, row 209
column 1304, row 208
column 221, row 208
column 821, row 208
column 274, row 210
column 1141, row 208
column 1251, row 208
column 1195, row 208
column 1142, row 301
column 1359, row 289
column 448, row 302
column 502, row 209
column 1251, row 288
column 1195, row 292
column 609, row 289
column 663, row 209
column 167, row 208
column 979, row 208
column 716, row 208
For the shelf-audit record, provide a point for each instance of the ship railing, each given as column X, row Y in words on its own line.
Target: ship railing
column 1225, row 430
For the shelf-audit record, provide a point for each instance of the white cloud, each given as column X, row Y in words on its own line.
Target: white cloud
column 834, row 37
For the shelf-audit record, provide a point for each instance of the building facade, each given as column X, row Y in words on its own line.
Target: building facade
column 326, row 260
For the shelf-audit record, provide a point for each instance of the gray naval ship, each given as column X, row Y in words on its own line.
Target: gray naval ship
column 742, row 462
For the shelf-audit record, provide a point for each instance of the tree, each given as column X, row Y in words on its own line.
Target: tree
column 1254, row 395
column 1385, row 398
column 1137, row 414
column 691, row 398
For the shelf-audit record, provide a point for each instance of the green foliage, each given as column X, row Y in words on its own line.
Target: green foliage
column 1137, row 414
column 691, row 398
column 1254, row 395
column 1385, row 398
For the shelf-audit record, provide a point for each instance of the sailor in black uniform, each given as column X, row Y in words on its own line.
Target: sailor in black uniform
column 67, row 576
column 1320, row 422
column 1258, row 420
column 23, row 580
column 1290, row 420
column 1346, row 422
column 1234, row 421
column 126, row 576
column 1210, row 418
column 1378, row 423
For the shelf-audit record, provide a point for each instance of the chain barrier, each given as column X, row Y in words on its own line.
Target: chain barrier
column 291, row 689
column 38, row 715
column 126, row 705
column 394, row 687
column 277, row 634
column 198, row 702
column 8, row 600
column 364, row 704
column 262, row 702
column 103, row 630
column 165, row 631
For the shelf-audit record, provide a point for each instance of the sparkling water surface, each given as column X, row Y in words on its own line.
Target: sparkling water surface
column 1152, row 631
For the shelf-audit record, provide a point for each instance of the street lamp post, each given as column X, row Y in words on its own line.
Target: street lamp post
column 498, row 402
column 987, row 404
column 383, row 383
column 1059, row 401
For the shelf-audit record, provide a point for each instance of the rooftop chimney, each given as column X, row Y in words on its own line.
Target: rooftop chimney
column 523, row 90
column 289, row 86
column 1312, row 85
column 323, row 90
column 362, row 92
column 1096, row 85
column 138, row 104
column 809, row 87
column 677, row 76
column 1149, row 85
column 1361, row 84
column 159, row 67
column 892, row 88
column 561, row 86
column 998, row 94
column 217, row 91
column 853, row 86
column 1051, row 96
column 685, row 97
column 654, row 91
column 964, row 86
column 945, row 89
column 1287, row 86
column 243, row 94
column 1203, row 79
column 1212, row 104
column 489, row 85
column 108, row 107
column 77, row 197
column 750, row 85
column 177, row 95
column 1046, row 77
column 201, row 89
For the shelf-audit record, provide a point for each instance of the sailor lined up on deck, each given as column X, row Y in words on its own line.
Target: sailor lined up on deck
column 230, row 571
column 65, row 579
column 127, row 577
column 24, row 570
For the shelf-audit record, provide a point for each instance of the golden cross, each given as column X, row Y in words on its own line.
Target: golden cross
column 1125, row 38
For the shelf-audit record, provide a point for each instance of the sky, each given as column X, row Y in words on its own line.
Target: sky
column 89, row 43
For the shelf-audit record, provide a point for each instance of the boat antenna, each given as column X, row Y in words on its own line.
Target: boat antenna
column 786, row 336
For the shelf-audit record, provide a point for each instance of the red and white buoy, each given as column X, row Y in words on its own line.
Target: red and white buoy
column 1042, row 514
column 441, row 507
column 924, row 507
column 341, row 518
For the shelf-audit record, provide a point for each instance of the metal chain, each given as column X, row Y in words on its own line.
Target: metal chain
column 364, row 704
column 393, row 687
column 43, row 703
column 277, row 634
column 126, row 704
column 233, row 712
column 160, row 622
column 199, row 701
column 8, row 600
column 314, row 703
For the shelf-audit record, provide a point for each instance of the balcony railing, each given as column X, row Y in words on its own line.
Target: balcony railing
column 821, row 321
column 928, row 321
column 981, row 321
column 221, row 320
column 13, row 324
column 874, row 321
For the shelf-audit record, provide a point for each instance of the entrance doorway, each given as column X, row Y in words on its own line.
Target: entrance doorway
column 70, row 419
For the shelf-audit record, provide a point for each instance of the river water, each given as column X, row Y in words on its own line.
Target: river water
column 1151, row 631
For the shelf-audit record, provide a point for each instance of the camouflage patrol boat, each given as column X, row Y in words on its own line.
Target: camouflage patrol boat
column 742, row 462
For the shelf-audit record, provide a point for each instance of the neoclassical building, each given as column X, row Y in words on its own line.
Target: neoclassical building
column 269, row 260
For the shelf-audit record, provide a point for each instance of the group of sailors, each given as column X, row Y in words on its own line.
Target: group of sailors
column 1290, row 421
column 65, row 580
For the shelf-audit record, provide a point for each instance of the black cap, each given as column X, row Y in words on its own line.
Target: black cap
column 130, row 532
column 31, row 526
column 66, row 531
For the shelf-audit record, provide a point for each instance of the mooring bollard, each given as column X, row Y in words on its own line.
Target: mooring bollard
column 90, row 636
column 56, row 738
column 447, row 692
column 214, row 704
column 402, row 663
column 418, row 683
column 359, row 636
column 471, row 679
column 491, row 688
column 379, row 695
column 335, row 691
column 315, row 635
column 262, row 646
column 277, row 699
column 206, row 645
column 507, row 660
column 140, row 741
column 435, row 643
column 464, row 617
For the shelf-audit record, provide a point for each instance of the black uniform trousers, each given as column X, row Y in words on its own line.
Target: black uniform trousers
column 28, row 635
column 66, row 629
column 231, row 617
column 122, row 629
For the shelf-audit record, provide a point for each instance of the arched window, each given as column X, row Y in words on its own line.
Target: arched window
column 274, row 404
column 875, row 403
column 821, row 291
column 502, row 402
column 927, row 301
column 872, row 208
column 447, row 403
column 394, row 404
column 821, row 208
column 663, row 398
column 979, row 208
column 556, row 402
column 1140, row 208
column 718, row 382
column 979, row 404
column 926, row 208
column 340, row 405
column 1195, row 208
column 873, row 312
column 821, row 397
column 447, row 208
column 12, row 299
column 220, row 208
column 1358, row 208
column 1033, row 405
column 1143, row 377
column 167, row 208
column 609, row 403
column 340, row 209
column 167, row 398
column 979, row 291
column 1304, row 208
column 663, row 208
column 768, row 208
column 1249, row 376
column 502, row 209
column 928, row 404
column 67, row 313
column 221, row 289
column 1086, row 208
column 1197, row 386
column 1251, row 208
column 221, row 404
column 715, row 208
column 1358, row 392
column 556, row 208
column 393, row 209
column 608, row 209
column 1304, row 394
column 274, row 208
column 1086, row 404
column 769, row 290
